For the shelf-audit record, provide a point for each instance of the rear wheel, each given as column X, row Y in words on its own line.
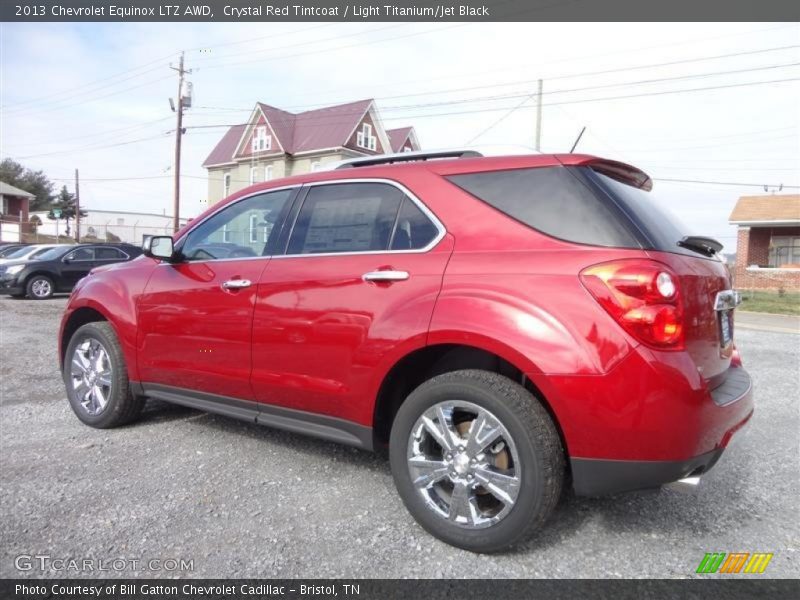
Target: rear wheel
column 477, row 460
column 40, row 287
column 97, row 379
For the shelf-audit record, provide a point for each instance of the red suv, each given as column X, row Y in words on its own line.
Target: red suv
column 506, row 326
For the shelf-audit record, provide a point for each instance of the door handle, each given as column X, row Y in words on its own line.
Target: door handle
column 236, row 284
column 385, row 276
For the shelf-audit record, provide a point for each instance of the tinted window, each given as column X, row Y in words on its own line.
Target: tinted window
column 662, row 227
column 52, row 253
column 108, row 254
column 346, row 217
column 551, row 200
column 413, row 229
column 19, row 252
column 243, row 229
column 81, row 254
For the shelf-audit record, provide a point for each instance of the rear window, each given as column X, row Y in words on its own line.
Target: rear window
column 662, row 228
column 551, row 200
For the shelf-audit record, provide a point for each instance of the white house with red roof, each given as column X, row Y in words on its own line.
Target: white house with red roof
column 275, row 143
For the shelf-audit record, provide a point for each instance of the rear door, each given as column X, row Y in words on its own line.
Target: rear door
column 354, row 290
column 195, row 316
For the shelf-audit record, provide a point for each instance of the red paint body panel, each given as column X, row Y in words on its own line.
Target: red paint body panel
column 323, row 338
column 311, row 335
column 195, row 335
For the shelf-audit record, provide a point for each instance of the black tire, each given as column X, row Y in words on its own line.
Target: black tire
column 538, row 446
column 39, row 287
column 122, row 405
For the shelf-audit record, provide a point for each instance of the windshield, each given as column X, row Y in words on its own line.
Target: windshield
column 51, row 253
column 18, row 253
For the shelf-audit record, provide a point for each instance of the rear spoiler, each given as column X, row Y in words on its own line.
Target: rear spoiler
column 622, row 172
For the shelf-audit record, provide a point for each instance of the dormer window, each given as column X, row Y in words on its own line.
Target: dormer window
column 365, row 139
column 261, row 141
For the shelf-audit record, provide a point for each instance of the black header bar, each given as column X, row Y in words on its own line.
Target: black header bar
column 397, row 10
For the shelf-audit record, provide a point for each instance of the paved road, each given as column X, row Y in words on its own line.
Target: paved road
column 243, row 500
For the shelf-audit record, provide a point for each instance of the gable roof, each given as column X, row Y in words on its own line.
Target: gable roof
column 225, row 148
column 318, row 129
column 6, row 189
column 397, row 137
column 767, row 209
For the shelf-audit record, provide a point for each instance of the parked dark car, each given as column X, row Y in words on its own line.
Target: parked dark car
column 60, row 268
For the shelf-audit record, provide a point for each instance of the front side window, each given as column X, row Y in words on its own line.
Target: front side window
column 352, row 217
column 233, row 231
column 81, row 254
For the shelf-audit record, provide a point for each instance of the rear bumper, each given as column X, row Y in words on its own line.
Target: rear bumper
column 649, row 421
column 594, row 477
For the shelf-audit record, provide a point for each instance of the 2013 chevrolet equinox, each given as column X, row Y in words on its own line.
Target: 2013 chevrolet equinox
column 500, row 323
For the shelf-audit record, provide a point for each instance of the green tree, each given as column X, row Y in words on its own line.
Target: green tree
column 35, row 182
column 65, row 203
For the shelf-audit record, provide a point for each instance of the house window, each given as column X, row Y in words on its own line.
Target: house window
column 253, row 174
column 226, row 184
column 261, row 141
column 268, row 173
column 365, row 139
column 784, row 251
column 408, row 149
column 316, row 166
column 226, row 234
column 254, row 229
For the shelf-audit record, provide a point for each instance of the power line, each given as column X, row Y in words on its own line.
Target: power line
column 758, row 185
column 554, row 78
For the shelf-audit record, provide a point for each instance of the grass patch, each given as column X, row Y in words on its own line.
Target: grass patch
column 767, row 301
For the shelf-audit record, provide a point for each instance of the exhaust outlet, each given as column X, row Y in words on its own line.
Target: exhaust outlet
column 685, row 485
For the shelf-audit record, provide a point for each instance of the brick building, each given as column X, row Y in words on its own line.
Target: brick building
column 768, row 242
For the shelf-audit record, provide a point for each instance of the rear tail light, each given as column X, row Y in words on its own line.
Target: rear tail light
column 643, row 296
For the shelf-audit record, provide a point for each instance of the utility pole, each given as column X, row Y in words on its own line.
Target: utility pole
column 178, row 135
column 539, row 117
column 77, row 208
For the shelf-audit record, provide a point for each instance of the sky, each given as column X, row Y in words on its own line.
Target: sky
column 692, row 102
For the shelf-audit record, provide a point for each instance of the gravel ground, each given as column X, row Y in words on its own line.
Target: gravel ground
column 244, row 500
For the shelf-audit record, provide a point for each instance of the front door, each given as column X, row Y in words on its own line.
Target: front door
column 195, row 316
column 354, row 290
column 76, row 265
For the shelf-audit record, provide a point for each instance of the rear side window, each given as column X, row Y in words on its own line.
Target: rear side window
column 551, row 200
column 346, row 217
column 413, row 230
column 108, row 254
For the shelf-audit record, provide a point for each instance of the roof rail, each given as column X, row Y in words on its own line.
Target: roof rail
column 386, row 159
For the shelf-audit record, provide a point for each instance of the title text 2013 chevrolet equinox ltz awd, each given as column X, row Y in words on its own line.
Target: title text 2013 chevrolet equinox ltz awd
column 507, row 326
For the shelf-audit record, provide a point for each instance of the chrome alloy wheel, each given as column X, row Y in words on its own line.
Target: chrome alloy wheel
column 91, row 375
column 464, row 464
column 41, row 288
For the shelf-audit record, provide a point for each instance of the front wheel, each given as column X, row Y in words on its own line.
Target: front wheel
column 477, row 460
column 40, row 287
column 97, row 379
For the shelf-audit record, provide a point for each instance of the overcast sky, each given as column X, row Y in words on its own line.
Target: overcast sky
column 95, row 97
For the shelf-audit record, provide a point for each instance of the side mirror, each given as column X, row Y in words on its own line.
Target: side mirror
column 159, row 246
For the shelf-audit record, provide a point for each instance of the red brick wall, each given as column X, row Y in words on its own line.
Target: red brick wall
column 752, row 248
